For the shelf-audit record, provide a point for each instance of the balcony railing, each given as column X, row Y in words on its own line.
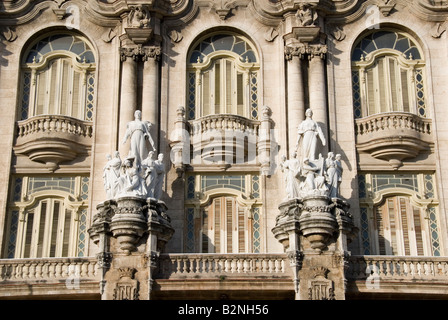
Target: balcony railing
column 393, row 136
column 52, row 139
column 392, row 121
column 398, row 268
column 48, row 269
column 211, row 265
column 55, row 124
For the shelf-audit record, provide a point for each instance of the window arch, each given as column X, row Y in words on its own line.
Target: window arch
column 222, row 74
column 47, row 217
column 388, row 74
column 58, row 77
column 399, row 215
column 223, row 214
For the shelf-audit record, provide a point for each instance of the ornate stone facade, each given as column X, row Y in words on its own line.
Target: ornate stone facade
column 241, row 149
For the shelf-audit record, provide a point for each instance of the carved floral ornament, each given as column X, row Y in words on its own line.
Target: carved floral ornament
column 145, row 53
column 305, row 50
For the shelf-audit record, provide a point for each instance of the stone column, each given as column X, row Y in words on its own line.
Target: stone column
column 317, row 87
column 128, row 99
column 150, row 92
column 296, row 99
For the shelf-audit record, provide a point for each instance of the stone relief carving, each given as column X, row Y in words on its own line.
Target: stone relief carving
column 127, row 287
column 321, row 288
column 306, row 15
column 139, row 17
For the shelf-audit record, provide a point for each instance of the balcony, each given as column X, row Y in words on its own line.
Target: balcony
column 52, row 139
column 49, row 277
column 393, row 136
column 249, row 275
column 396, row 275
column 245, row 275
column 222, row 140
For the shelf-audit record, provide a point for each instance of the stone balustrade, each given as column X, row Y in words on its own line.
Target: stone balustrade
column 48, row 269
column 224, row 122
column 53, row 139
column 398, row 268
column 54, row 123
column 392, row 121
column 393, row 136
column 211, row 265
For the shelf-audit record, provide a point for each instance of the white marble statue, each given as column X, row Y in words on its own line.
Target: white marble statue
column 160, row 171
column 137, row 132
column 111, row 175
column 309, row 172
column 150, row 173
column 131, row 181
column 332, row 175
column 291, row 169
column 308, row 134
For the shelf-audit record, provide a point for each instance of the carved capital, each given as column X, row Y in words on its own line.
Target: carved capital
column 299, row 51
column 306, row 50
column 128, row 52
column 319, row 50
column 145, row 53
column 151, row 53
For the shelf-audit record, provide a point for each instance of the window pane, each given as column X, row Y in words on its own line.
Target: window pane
column 28, row 234
column 54, row 229
column 218, row 87
column 42, row 222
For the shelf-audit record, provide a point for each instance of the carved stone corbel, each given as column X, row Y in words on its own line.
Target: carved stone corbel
column 386, row 6
column 8, row 34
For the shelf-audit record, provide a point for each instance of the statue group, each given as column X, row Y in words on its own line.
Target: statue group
column 304, row 174
column 139, row 174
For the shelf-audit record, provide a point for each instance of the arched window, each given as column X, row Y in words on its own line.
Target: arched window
column 399, row 215
column 388, row 74
column 58, row 77
column 223, row 214
column 47, row 217
column 222, row 73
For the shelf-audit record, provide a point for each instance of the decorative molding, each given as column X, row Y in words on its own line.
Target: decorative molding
column 146, row 53
column 175, row 36
column 127, row 288
column 306, row 50
column 438, row 29
column 8, row 34
column 271, row 34
column 321, row 288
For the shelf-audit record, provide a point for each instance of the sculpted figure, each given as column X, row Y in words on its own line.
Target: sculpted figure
column 309, row 171
column 150, row 173
column 131, row 182
column 306, row 15
column 138, row 17
column 111, row 175
column 308, row 133
column 332, row 175
column 160, row 170
column 138, row 132
column 291, row 168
